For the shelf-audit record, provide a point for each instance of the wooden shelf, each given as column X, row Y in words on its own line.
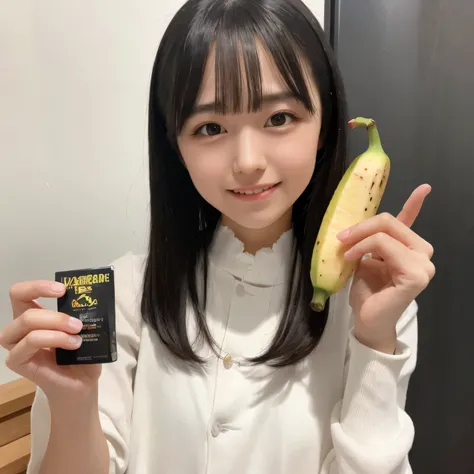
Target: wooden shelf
column 14, row 457
column 15, row 405
column 16, row 396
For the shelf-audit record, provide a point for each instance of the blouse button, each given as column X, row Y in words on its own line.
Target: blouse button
column 216, row 429
column 228, row 362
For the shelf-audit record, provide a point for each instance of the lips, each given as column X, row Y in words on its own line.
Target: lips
column 254, row 193
column 249, row 192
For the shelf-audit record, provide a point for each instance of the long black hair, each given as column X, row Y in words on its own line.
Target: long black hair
column 182, row 222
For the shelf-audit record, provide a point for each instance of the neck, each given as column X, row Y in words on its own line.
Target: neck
column 256, row 239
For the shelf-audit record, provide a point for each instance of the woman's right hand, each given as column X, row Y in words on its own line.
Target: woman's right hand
column 33, row 336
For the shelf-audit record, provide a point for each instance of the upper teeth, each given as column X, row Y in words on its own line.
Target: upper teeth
column 253, row 191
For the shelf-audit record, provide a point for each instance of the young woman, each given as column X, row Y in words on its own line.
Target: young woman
column 222, row 366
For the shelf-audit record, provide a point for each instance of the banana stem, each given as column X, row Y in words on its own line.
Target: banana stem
column 319, row 300
column 374, row 137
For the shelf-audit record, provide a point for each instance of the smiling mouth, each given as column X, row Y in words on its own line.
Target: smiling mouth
column 249, row 192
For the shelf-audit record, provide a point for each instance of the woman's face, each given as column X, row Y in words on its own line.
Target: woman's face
column 252, row 167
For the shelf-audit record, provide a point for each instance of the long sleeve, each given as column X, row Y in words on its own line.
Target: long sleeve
column 370, row 428
column 116, row 381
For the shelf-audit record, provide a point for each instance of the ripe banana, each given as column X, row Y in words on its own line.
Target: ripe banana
column 356, row 198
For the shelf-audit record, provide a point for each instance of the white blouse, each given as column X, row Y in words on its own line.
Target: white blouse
column 339, row 411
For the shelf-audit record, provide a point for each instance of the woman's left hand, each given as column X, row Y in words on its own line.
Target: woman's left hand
column 399, row 270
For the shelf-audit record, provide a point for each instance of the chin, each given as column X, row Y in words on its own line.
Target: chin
column 260, row 222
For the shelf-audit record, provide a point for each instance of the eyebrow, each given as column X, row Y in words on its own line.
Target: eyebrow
column 266, row 99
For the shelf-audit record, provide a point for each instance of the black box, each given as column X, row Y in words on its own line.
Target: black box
column 90, row 297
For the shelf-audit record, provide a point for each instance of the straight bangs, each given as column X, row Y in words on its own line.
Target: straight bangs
column 235, row 35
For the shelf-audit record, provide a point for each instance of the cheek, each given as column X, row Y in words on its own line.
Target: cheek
column 207, row 169
column 297, row 157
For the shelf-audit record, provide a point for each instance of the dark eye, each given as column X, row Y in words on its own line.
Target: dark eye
column 210, row 130
column 280, row 119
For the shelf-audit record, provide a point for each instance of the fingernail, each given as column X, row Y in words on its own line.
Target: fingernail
column 75, row 324
column 57, row 287
column 345, row 233
column 75, row 340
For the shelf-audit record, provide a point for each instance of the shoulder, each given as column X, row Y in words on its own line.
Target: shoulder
column 128, row 276
column 340, row 307
column 129, row 270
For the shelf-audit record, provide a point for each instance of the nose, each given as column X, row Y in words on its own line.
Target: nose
column 249, row 157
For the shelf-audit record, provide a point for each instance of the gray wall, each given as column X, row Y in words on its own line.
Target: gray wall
column 409, row 64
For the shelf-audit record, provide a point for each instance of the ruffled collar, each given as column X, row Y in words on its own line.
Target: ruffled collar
column 268, row 267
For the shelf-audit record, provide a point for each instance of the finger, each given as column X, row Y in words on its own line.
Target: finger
column 393, row 252
column 35, row 341
column 35, row 319
column 387, row 224
column 23, row 295
column 371, row 270
column 413, row 205
column 420, row 268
